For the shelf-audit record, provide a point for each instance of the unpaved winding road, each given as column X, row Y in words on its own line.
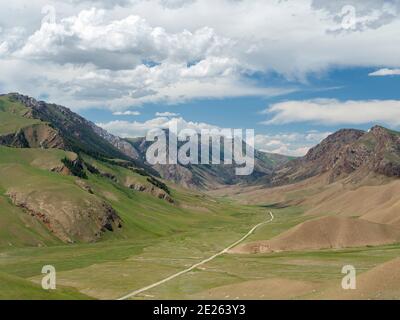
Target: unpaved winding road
column 136, row 292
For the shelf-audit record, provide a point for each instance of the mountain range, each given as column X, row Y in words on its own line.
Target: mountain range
column 352, row 157
column 58, row 127
column 75, row 195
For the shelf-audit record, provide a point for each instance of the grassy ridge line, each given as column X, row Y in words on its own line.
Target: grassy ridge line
column 12, row 116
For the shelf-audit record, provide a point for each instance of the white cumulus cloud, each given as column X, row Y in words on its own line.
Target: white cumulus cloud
column 128, row 129
column 385, row 72
column 166, row 114
column 126, row 113
column 332, row 112
column 130, row 52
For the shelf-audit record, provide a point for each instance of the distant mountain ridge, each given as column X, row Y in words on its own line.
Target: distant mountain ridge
column 209, row 176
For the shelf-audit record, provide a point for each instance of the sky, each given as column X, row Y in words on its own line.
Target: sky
column 295, row 71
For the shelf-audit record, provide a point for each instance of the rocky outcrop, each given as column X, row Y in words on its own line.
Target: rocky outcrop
column 35, row 136
column 70, row 219
column 109, row 176
column 84, row 186
column 154, row 191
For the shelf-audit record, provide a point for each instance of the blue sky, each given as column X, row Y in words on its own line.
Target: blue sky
column 294, row 70
column 246, row 112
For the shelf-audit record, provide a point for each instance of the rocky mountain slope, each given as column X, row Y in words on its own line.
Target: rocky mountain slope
column 346, row 152
column 65, row 130
column 205, row 176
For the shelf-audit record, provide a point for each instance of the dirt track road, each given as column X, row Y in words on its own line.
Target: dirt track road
column 136, row 292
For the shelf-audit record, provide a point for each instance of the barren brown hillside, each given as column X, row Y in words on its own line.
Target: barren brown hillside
column 324, row 233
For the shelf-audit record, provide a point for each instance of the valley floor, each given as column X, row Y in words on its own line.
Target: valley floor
column 113, row 268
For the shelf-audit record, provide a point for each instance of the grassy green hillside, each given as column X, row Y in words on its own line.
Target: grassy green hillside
column 11, row 116
column 194, row 226
column 25, row 169
column 143, row 214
